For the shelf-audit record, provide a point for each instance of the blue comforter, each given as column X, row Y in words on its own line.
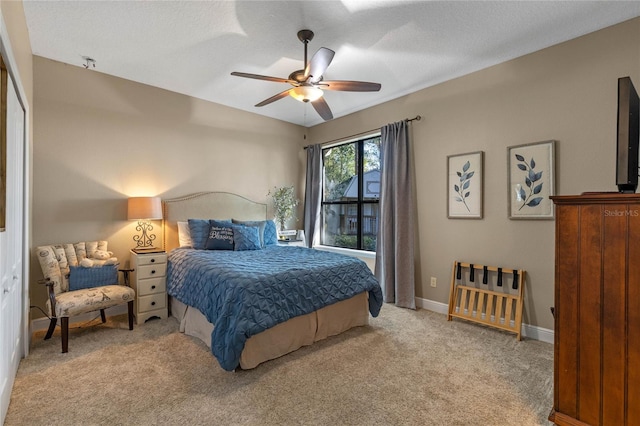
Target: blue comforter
column 246, row 292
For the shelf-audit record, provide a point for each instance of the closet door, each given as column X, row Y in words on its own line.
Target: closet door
column 11, row 246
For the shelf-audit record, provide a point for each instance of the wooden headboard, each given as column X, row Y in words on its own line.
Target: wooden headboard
column 206, row 205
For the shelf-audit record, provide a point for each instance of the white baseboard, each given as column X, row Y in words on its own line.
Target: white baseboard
column 433, row 306
column 530, row 331
column 40, row 324
column 538, row 333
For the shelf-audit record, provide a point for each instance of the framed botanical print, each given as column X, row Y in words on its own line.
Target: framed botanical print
column 531, row 180
column 465, row 179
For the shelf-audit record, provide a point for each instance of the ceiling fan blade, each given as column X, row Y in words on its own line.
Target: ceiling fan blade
column 349, row 86
column 262, row 77
column 318, row 64
column 274, row 98
column 321, row 107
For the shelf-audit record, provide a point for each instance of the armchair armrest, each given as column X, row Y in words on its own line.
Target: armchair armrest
column 51, row 292
column 125, row 275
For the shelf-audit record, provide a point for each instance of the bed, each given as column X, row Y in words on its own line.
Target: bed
column 284, row 297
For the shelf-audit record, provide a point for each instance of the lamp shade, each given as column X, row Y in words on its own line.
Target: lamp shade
column 144, row 208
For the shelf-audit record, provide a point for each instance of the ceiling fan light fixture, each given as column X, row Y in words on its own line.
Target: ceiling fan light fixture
column 308, row 83
column 305, row 93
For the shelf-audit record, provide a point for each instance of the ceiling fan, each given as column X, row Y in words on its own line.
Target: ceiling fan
column 308, row 83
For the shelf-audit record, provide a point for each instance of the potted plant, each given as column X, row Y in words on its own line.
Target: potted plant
column 284, row 204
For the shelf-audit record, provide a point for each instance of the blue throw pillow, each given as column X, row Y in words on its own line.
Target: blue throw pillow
column 81, row 277
column 270, row 233
column 260, row 224
column 246, row 237
column 220, row 235
column 199, row 230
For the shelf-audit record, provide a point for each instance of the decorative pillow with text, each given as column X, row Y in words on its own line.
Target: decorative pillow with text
column 220, row 235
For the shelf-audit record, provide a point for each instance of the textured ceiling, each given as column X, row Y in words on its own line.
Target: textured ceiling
column 191, row 47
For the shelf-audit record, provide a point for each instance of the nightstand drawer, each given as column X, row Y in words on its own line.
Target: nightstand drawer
column 150, row 271
column 152, row 259
column 152, row 286
column 151, row 302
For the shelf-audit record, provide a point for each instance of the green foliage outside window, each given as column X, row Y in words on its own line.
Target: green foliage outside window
column 350, row 241
column 340, row 166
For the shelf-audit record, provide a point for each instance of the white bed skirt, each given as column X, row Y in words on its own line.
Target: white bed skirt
column 285, row 337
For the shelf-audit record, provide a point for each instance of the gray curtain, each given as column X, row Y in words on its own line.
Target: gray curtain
column 394, row 250
column 313, row 193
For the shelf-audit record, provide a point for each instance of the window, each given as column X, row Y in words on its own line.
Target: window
column 350, row 204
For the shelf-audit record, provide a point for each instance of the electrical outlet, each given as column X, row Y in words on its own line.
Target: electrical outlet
column 433, row 282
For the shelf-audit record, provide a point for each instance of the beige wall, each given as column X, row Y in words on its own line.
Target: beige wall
column 567, row 93
column 100, row 139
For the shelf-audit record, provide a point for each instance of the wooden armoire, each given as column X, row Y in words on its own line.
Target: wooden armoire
column 597, row 310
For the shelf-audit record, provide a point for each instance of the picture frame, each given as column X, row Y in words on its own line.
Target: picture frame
column 531, row 180
column 465, row 185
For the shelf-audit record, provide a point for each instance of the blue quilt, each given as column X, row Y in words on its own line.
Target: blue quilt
column 246, row 292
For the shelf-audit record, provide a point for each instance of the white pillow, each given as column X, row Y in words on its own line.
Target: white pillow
column 184, row 234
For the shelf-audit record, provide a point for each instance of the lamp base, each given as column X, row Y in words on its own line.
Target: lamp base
column 147, row 250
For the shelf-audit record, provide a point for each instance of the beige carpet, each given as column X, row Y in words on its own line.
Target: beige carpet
column 406, row 368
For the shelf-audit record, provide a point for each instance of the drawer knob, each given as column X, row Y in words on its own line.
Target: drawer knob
column 153, row 303
column 153, row 271
column 153, row 287
column 153, row 260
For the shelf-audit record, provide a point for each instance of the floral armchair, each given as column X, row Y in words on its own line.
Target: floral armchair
column 81, row 278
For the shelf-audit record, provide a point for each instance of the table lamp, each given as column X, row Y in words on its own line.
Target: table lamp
column 144, row 210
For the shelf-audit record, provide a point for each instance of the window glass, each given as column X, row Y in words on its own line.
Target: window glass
column 340, row 171
column 369, row 226
column 371, row 169
column 339, row 228
column 349, row 207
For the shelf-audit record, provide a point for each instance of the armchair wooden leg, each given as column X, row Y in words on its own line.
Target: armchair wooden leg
column 130, row 309
column 52, row 327
column 103, row 316
column 64, row 323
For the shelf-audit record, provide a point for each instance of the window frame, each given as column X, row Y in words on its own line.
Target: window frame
column 361, row 201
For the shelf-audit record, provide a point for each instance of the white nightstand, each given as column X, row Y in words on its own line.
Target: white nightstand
column 291, row 237
column 149, row 280
column 297, row 243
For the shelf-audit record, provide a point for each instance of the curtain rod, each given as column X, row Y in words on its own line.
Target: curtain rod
column 408, row 120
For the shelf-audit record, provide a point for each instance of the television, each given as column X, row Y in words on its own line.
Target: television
column 628, row 129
